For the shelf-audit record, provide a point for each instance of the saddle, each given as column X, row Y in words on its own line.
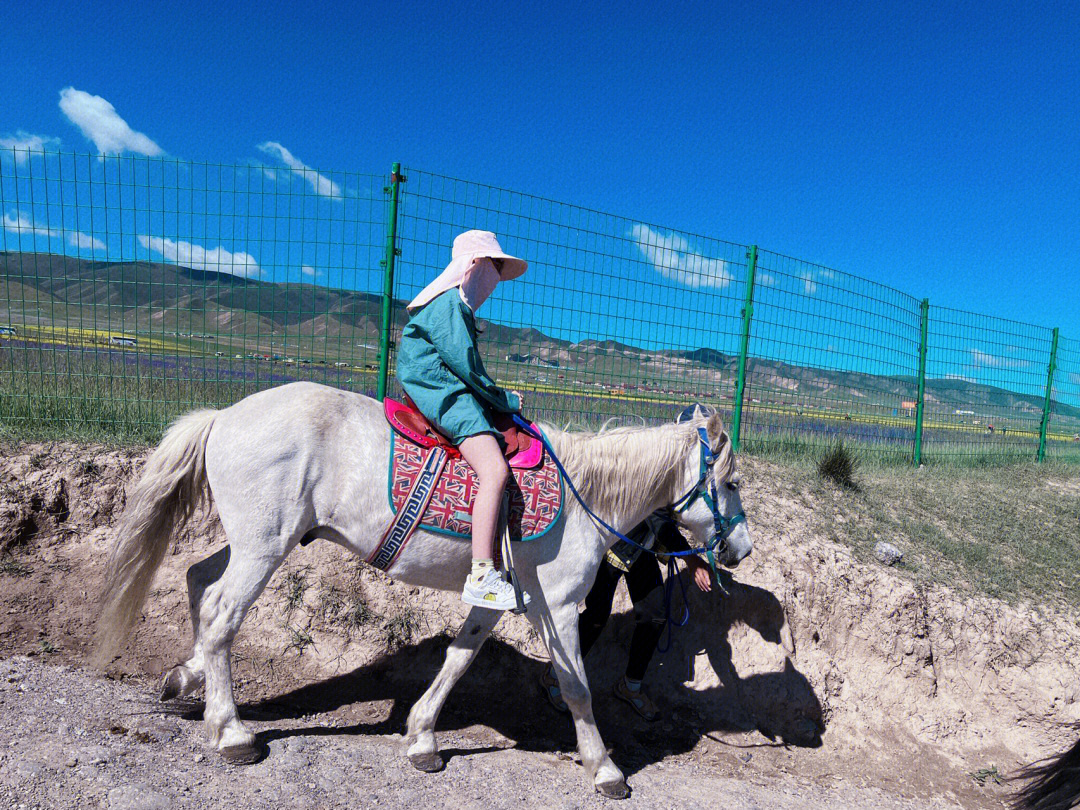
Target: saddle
column 522, row 451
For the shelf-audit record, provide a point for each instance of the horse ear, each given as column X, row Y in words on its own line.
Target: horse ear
column 715, row 430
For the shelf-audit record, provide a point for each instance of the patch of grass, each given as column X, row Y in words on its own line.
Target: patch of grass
column 987, row 774
column 37, row 461
column 839, row 466
column 294, row 588
column 14, row 568
column 344, row 606
column 47, row 646
column 1008, row 532
column 401, row 626
column 299, row 640
column 88, row 468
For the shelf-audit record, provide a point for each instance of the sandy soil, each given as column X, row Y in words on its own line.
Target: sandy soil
column 820, row 681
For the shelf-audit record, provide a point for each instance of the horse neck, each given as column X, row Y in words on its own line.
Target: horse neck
column 625, row 475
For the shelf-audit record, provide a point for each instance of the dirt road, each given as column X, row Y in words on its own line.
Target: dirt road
column 74, row 739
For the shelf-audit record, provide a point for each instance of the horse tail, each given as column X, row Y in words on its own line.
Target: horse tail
column 1053, row 784
column 173, row 483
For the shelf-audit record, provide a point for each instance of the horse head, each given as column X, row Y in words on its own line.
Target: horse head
column 712, row 507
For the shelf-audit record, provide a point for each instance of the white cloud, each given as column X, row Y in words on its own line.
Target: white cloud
column 85, row 241
column 99, row 122
column 217, row 260
column 322, row 186
column 20, row 223
column 979, row 358
column 764, row 279
column 23, row 143
column 809, row 285
column 308, row 270
column 672, row 257
column 961, row 377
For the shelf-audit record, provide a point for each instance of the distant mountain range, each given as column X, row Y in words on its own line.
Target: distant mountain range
column 140, row 296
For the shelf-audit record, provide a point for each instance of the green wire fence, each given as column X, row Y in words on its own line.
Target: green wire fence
column 133, row 289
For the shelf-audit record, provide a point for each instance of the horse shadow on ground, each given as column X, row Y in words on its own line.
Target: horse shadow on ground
column 501, row 690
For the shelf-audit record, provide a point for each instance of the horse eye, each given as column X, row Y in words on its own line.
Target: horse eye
column 731, row 485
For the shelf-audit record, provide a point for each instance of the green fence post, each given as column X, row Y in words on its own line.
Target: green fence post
column 924, row 309
column 1046, row 402
column 392, row 251
column 744, row 344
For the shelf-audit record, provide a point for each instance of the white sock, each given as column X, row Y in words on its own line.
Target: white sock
column 480, row 569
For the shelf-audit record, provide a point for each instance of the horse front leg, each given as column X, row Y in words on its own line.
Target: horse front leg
column 420, row 730
column 559, row 628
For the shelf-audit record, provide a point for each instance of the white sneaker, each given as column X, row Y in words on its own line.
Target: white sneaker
column 491, row 592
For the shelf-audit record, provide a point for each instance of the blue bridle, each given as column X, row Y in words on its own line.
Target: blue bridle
column 722, row 525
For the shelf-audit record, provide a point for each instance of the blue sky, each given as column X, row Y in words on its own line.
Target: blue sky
column 932, row 147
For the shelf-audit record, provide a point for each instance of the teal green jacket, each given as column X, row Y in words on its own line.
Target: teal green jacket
column 440, row 368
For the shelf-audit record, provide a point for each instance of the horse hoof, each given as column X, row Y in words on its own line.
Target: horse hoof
column 613, row 790
column 428, row 762
column 179, row 682
column 241, row 754
column 172, row 684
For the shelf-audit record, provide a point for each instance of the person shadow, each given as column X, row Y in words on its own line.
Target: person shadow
column 700, row 685
column 729, row 671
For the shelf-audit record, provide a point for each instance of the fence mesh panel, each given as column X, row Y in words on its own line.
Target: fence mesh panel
column 986, row 383
column 614, row 318
column 134, row 288
column 1063, row 435
column 831, row 357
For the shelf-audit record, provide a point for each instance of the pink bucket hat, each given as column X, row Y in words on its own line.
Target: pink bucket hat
column 468, row 247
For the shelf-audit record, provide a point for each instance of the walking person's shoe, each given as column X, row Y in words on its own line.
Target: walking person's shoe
column 550, row 684
column 638, row 700
column 491, row 591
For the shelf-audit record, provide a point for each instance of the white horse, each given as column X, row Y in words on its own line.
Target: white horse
column 308, row 461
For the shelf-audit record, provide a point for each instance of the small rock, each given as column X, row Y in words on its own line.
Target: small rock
column 138, row 796
column 29, row 768
column 95, row 754
column 156, row 729
column 887, row 553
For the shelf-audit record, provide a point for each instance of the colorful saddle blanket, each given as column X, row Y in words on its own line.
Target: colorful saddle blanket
column 535, row 494
column 433, row 488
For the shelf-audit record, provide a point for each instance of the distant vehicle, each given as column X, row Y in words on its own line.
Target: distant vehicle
column 122, row 340
column 341, row 364
column 9, row 331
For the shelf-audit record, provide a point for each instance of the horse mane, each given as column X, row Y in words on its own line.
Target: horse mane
column 614, row 469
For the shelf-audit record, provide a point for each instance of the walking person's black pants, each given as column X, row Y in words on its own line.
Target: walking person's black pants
column 642, row 578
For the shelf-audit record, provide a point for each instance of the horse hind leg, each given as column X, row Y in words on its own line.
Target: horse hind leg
column 422, row 750
column 224, row 603
column 189, row 676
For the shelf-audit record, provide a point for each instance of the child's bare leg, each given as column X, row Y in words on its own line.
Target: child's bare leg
column 484, row 587
column 485, row 456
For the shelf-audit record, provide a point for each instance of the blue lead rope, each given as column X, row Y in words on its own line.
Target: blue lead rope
column 669, row 589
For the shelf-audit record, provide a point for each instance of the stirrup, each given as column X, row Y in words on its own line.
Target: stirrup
column 507, row 555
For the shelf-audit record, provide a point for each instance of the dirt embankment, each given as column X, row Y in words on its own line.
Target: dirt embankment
column 815, row 663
